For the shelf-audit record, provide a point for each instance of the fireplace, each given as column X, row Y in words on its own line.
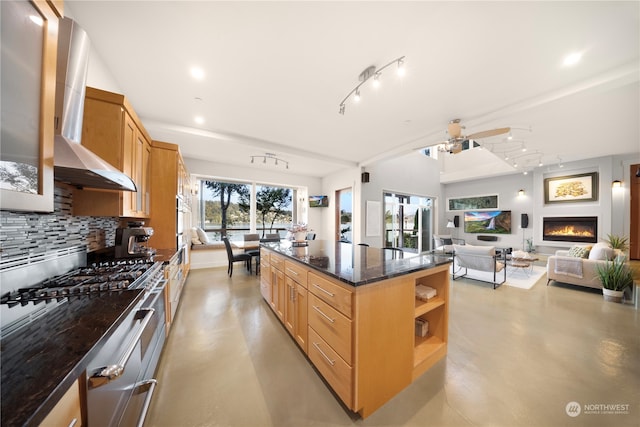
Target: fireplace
column 582, row 229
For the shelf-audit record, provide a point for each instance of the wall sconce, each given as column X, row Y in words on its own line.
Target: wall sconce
column 521, row 192
column 450, row 224
column 616, row 184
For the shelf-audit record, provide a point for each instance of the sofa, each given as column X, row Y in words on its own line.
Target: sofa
column 480, row 258
column 444, row 243
column 578, row 265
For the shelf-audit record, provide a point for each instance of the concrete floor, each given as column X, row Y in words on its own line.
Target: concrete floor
column 516, row 358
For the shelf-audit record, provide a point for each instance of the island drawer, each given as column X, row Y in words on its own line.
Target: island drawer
column 296, row 271
column 331, row 325
column 264, row 256
column 276, row 261
column 331, row 293
column 335, row 371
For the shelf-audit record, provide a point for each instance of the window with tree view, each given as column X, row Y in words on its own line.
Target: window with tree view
column 226, row 209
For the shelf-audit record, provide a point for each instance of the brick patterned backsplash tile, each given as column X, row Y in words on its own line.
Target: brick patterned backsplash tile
column 24, row 233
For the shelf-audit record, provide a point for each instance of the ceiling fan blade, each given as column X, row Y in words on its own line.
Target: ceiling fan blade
column 488, row 133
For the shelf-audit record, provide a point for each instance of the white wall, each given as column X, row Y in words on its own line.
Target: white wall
column 412, row 174
column 611, row 208
column 506, row 187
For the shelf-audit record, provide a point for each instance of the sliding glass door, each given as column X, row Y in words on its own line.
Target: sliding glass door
column 408, row 222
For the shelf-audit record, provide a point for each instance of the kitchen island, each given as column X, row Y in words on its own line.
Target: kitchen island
column 353, row 311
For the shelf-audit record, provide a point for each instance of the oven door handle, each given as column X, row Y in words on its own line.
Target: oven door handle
column 108, row 373
column 147, row 401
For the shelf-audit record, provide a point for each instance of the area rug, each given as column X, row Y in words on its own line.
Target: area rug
column 516, row 277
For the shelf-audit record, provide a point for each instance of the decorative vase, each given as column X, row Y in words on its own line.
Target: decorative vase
column 299, row 236
column 611, row 295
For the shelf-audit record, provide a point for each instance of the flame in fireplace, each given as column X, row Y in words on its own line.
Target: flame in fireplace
column 570, row 230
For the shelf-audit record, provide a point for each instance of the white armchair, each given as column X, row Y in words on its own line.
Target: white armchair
column 481, row 258
column 444, row 243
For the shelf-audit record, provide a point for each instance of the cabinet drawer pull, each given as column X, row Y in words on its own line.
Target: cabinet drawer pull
column 316, row 308
column 324, row 290
column 291, row 271
column 332, row 362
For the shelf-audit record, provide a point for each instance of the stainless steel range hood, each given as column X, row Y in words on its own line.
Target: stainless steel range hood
column 73, row 163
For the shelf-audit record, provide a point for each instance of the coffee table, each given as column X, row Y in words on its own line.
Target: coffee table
column 525, row 264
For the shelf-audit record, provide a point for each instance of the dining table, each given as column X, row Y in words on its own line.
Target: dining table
column 245, row 244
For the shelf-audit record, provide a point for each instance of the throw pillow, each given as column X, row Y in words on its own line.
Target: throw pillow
column 195, row 240
column 601, row 251
column 579, row 251
column 202, row 235
column 447, row 242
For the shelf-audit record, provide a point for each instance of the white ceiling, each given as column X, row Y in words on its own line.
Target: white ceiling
column 277, row 71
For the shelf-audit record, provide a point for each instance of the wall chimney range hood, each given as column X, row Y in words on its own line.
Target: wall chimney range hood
column 73, row 163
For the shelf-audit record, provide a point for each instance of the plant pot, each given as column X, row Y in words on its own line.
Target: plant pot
column 300, row 236
column 611, row 295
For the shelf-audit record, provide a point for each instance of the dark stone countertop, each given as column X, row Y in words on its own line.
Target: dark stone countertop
column 43, row 359
column 356, row 265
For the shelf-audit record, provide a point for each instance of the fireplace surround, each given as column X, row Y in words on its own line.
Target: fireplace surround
column 581, row 229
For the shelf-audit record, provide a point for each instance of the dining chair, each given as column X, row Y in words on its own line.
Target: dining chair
column 395, row 252
column 255, row 253
column 233, row 258
column 271, row 237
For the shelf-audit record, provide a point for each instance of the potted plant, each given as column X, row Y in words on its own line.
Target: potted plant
column 615, row 276
column 620, row 244
column 299, row 231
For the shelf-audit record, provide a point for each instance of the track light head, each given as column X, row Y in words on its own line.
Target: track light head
column 356, row 97
column 401, row 70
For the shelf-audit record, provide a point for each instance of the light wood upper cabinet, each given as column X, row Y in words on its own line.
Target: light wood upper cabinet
column 170, row 212
column 29, row 54
column 113, row 131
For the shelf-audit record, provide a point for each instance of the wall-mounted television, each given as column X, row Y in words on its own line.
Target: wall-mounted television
column 318, row 201
column 490, row 222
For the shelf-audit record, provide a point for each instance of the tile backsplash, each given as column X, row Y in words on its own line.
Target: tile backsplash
column 29, row 233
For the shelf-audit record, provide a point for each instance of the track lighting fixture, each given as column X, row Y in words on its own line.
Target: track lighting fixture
column 368, row 73
column 270, row 156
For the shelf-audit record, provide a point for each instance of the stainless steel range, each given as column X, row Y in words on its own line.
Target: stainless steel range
column 119, row 361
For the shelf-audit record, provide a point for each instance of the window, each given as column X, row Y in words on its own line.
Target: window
column 344, row 212
column 274, row 209
column 232, row 209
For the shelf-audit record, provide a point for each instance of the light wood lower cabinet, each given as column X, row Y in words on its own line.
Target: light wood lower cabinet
column 67, row 411
column 362, row 338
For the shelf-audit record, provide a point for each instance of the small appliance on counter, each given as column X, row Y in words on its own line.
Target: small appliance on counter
column 131, row 241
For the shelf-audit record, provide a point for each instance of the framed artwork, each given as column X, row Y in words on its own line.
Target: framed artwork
column 571, row 188
column 472, row 203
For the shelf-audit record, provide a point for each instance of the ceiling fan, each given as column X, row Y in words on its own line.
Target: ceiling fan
column 457, row 139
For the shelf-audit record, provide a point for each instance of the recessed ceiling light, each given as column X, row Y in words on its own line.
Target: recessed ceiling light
column 199, row 120
column 572, row 59
column 197, row 73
